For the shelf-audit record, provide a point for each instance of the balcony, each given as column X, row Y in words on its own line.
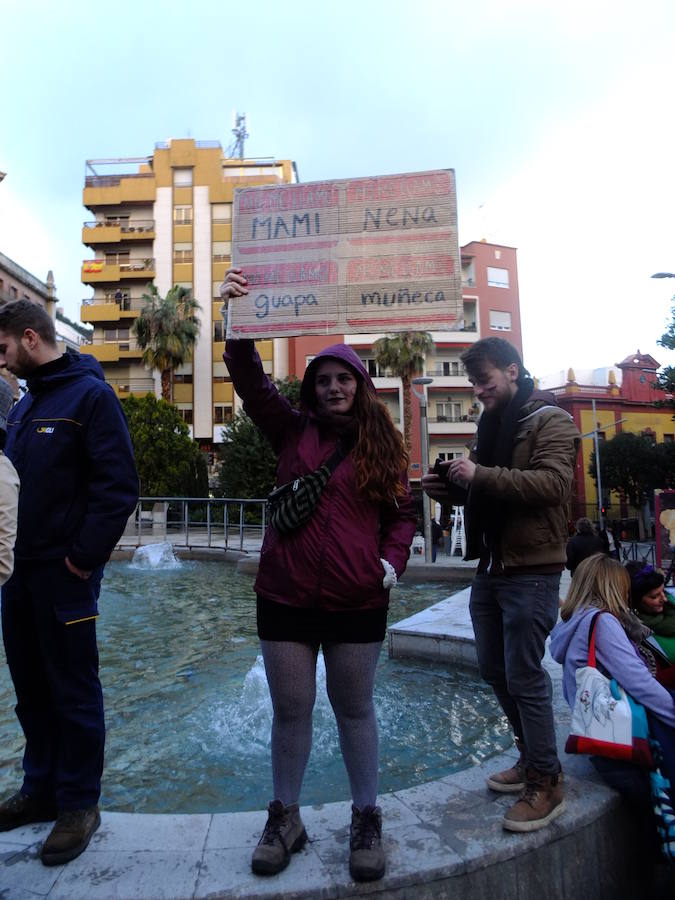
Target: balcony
column 100, row 270
column 138, row 387
column 114, row 190
column 452, row 424
column 114, row 230
column 107, row 351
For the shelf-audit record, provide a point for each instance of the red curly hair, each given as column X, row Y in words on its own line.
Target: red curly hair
column 379, row 456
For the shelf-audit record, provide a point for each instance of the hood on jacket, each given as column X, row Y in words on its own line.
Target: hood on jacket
column 74, row 365
column 342, row 353
column 564, row 632
column 547, row 397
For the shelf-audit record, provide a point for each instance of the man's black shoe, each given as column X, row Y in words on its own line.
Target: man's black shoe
column 20, row 809
column 70, row 835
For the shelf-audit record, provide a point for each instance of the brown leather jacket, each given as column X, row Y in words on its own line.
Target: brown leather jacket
column 536, row 488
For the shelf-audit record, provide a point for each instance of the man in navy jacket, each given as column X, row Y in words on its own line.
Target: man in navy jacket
column 69, row 442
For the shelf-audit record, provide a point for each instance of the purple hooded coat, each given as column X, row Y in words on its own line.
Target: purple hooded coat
column 333, row 561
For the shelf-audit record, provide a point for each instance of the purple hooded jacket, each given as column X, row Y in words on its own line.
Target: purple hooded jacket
column 333, row 561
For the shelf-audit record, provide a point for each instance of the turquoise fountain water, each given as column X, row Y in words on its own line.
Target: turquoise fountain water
column 188, row 712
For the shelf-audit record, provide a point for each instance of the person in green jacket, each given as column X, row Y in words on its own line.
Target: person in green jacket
column 653, row 605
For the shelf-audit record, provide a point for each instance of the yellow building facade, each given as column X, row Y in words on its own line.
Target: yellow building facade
column 167, row 219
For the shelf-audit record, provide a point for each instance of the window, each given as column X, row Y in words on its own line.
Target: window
column 497, row 277
column 500, row 320
column 185, row 378
column 446, row 455
column 186, row 414
column 222, row 415
column 218, row 332
column 182, row 178
column 374, row 370
column 221, row 213
column 222, row 379
column 222, row 250
column 112, row 335
column 182, row 215
column 451, row 367
column 116, row 258
column 448, row 412
column 13, row 293
column 182, row 252
column 668, row 438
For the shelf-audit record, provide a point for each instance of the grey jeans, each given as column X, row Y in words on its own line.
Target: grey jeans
column 512, row 617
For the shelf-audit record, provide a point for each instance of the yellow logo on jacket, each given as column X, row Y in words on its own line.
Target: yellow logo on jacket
column 45, row 429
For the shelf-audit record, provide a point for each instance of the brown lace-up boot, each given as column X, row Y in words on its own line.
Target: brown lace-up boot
column 540, row 803
column 70, row 835
column 284, row 834
column 510, row 781
column 366, row 856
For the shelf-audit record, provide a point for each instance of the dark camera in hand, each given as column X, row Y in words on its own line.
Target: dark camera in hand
column 443, row 472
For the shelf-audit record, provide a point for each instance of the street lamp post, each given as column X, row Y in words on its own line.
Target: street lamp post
column 597, row 466
column 424, row 441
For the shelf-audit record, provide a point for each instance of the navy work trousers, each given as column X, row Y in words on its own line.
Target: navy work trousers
column 512, row 616
column 49, row 631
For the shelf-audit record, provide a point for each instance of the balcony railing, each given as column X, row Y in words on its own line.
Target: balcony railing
column 454, row 419
column 93, row 266
column 126, row 226
column 113, row 180
column 124, row 343
column 441, row 372
column 132, row 385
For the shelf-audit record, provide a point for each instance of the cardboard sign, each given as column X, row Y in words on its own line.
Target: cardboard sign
column 338, row 257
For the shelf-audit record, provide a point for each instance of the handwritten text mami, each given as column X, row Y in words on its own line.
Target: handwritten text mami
column 308, row 224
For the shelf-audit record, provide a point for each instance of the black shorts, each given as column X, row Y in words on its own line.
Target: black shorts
column 280, row 622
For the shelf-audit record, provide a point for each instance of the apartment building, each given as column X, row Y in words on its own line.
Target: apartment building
column 167, row 219
column 17, row 283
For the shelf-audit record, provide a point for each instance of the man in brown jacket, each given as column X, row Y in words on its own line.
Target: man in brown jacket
column 515, row 486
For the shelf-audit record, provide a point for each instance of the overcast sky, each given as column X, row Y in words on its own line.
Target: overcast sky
column 558, row 119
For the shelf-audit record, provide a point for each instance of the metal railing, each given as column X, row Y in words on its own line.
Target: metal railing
column 454, row 419
column 439, row 371
column 133, row 385
column 127, row 265
column 113, row 180
column 218, row 522
column 125, row 225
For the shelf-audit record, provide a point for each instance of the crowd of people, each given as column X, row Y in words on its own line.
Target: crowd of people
column 339, row 541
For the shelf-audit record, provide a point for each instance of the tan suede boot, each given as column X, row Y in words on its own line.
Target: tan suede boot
column 510, row 781
column 284, row 834
column 539, row 804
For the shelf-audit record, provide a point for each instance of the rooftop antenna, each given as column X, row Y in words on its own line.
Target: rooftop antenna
column 236, row 148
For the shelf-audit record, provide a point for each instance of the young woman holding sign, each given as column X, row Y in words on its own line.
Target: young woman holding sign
column 326, row 582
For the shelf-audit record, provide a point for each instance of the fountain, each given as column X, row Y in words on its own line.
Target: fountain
column 155, row 556
column 188, row 711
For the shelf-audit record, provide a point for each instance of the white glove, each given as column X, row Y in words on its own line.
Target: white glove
column 390, row 580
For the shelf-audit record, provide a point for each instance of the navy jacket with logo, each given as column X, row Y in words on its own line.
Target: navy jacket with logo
column 69, row 442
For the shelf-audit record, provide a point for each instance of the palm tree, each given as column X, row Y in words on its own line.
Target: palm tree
column 404, row 354
column 166, row 330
